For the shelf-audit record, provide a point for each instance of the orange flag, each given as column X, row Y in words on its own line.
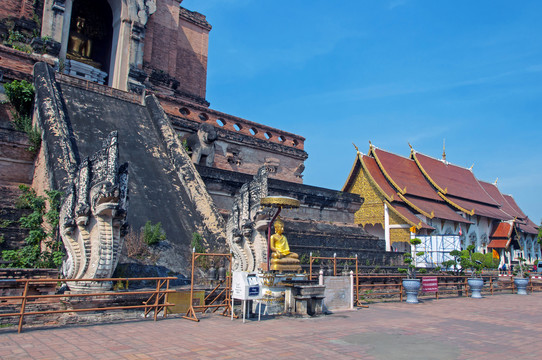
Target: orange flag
column 495, row 254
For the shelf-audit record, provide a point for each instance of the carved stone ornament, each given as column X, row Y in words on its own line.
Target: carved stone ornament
column 247, row 225
column 142, row 9
column 202, row 144
column 92, row 218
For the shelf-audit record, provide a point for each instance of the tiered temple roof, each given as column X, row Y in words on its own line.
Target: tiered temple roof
column 459, row 187
column 411, row 186
column 421, row 188
column 393, row 198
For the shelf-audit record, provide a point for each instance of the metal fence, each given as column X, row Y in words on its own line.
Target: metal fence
column 156, row 301
column 374, row 288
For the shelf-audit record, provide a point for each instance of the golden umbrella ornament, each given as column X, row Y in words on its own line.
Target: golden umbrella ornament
column 277, row 202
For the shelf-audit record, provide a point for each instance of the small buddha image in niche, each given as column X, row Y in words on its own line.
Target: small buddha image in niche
column 79, row 45
column 91, row 33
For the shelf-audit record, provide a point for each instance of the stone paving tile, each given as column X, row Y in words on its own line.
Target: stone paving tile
column 503, row 326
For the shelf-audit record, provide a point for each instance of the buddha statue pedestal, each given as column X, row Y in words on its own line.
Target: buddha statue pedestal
column 273, row 292
column 286, row 265
column 84, row 71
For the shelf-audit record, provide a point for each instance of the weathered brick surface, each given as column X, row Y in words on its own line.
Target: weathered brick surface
column 16, row 161
column 16, row 9
column 17, row 65
column 10, row 287
column 176, row 43
column 16, row 167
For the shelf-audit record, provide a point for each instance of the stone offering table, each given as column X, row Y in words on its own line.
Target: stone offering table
column 303, row 297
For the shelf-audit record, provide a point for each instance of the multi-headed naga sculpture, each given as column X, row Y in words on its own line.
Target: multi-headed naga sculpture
column 92, row 218
column 247, row 225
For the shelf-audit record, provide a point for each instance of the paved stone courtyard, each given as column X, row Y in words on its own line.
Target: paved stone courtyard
column 497, row 327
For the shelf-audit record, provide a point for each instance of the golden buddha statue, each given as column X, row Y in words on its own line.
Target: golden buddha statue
column 282, row 259
column 80, row 45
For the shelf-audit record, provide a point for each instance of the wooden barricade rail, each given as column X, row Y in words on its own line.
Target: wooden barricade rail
column 223, row 296
column 157, row 300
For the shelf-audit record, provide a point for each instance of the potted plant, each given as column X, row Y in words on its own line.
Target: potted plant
column 411, row 284
column 521, row 277
column 475, row 262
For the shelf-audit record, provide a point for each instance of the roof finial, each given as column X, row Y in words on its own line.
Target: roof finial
column 471, row 167
column 411, row 148
column 496, row 180
column 370, row 144
column 356, row 147
column 444, row 149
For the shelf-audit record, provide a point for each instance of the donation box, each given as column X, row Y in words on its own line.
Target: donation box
column 246, row 286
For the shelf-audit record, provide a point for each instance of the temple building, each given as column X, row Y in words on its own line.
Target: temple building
column 138, row 69
column 442, row 204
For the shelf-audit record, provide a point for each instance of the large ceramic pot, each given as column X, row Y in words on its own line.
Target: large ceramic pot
column 476, row 285
column 412, row 286
column 521, row 285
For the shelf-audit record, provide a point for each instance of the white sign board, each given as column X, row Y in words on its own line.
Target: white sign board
column 246, row 286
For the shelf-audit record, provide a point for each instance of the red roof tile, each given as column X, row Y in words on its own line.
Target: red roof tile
column 440, row 209
column 499, row 244
column 480, row 209
column 494, row 192
column 404, row 210
column 405, row 173
column 529, row 227
column 510, row 200
column 457, row 181
column 503, row 230
column 378, row 177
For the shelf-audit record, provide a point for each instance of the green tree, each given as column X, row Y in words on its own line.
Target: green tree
column 473, row 260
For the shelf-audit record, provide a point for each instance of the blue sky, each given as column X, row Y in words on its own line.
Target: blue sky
column 390, row 72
